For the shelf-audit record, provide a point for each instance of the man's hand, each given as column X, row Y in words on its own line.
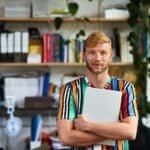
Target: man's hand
column 81, row 123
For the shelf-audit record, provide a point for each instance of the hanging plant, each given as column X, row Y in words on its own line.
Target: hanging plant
column 73, row 8
column 58, row 22
column 138, row 21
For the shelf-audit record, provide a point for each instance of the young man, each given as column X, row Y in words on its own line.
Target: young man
column 76, row 130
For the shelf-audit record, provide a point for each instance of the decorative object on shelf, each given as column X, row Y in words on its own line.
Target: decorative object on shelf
column 40, row 8
column 73, row 8
column 36, row 128
column 17, row 8
column 13, row 124
column 58, row 8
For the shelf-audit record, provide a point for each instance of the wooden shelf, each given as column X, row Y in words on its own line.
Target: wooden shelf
column 56, row 64
column 29, row 111
column 66, row 19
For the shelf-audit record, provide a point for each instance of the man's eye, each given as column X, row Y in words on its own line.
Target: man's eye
column 103, row 53
column 91, row 52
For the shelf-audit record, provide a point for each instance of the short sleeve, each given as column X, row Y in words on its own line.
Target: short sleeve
column 66, row 108
column 129, row 101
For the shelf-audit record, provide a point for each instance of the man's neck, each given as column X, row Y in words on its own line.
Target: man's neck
column 98, row 80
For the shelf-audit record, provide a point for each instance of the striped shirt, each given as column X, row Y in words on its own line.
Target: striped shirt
column 72, row 97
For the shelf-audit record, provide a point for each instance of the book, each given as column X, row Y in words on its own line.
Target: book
column 3, row 47
column 24, row 45
column 46, row 80
column 101, row 105
column 35, row 51
column 10, row 44
column 125, row 48
column 17, row 47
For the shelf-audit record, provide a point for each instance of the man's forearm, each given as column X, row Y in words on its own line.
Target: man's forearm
column 79, row 138
column 116, row 130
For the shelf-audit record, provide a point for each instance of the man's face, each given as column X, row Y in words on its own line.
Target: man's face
column 98, row 58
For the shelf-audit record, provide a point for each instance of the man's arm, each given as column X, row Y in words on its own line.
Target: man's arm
column 72, row 137
column 125, row 129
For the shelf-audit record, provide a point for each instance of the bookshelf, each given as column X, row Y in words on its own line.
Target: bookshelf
column 69, row 21
column 30, row 112
column 116, row 68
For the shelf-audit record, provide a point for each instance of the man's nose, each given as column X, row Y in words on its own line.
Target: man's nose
column 98, row 56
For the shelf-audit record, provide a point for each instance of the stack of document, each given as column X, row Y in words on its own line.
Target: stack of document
column 116, row 13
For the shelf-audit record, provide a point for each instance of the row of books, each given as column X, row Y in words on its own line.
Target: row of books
column 14, row 46
column 52, row 47
column 29, row 88
column 21, row 86
column 55, row 49
column 122, row 50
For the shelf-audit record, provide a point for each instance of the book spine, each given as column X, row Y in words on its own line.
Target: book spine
column 44, row 48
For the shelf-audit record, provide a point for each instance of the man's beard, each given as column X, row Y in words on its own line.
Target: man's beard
column 96, row 72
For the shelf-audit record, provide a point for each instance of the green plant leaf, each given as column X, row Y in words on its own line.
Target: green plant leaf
column 73, row 8
column 148, row 59
column 67, row 42
column 135, row 7
column 134, row 41
column 138, row 29
column 58, row 22
column 86, row 19
column 80, row 33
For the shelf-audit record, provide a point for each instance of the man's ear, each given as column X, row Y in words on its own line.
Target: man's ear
column 110, row 60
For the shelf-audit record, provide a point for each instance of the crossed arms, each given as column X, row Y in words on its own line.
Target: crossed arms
column 82, row 132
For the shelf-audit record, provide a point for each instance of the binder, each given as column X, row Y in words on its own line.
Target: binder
column 10, row 52
column 17, row 47
column 3, row 44
column 25, row 45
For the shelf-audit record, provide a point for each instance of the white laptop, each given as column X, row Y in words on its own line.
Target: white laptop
column 101, row 105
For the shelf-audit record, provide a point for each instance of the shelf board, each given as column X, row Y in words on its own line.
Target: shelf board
column 56, row 64
column 29, row 111
column 66, row 19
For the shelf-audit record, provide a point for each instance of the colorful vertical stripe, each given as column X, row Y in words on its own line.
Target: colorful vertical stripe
column 72, row 100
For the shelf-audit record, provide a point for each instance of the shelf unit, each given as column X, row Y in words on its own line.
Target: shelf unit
column 30, row 112
column 51, row 20
column 51, row 66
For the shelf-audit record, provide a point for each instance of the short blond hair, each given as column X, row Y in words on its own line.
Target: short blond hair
column 95, row 38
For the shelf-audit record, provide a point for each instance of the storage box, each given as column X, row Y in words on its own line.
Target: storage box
column 38, row 102
column 116, row 13
column 17, row 8
column 40, row 8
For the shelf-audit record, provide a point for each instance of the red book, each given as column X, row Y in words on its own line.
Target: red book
column 49, row 47
column 44, row 47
